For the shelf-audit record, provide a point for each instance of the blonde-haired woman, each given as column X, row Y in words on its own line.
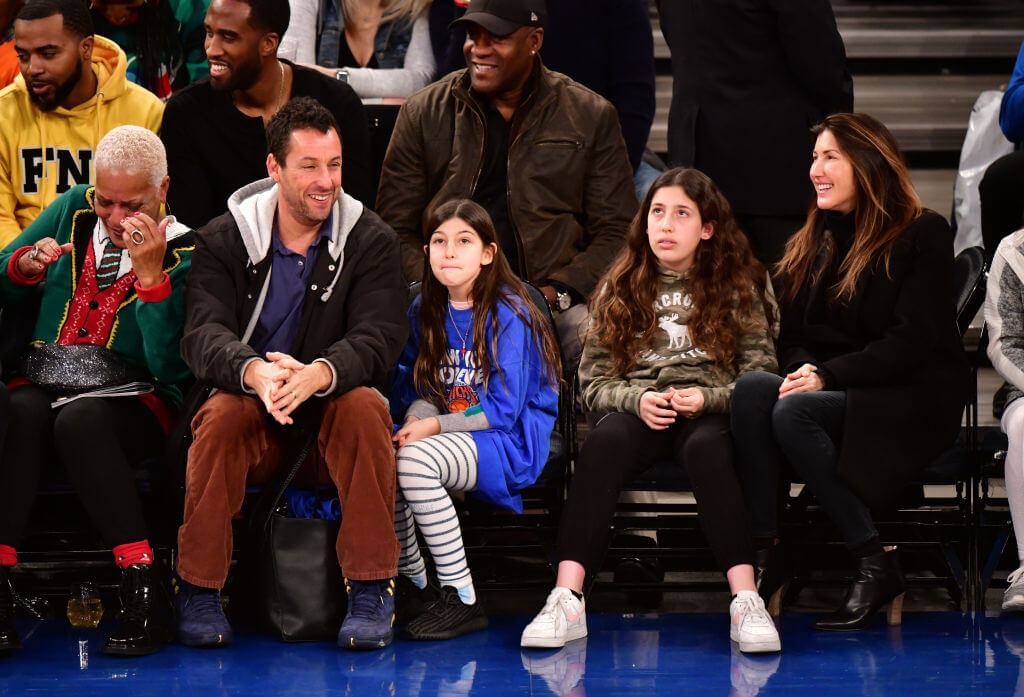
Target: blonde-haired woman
column 379, row 47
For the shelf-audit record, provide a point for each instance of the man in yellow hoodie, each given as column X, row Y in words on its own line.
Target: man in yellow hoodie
column 72, row 90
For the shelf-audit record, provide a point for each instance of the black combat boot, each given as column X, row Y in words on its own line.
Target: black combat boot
column 142, row 625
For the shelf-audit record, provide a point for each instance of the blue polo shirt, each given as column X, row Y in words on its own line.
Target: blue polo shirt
column 290, row 275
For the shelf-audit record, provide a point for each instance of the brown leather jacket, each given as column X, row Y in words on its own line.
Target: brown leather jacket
column 570, row 186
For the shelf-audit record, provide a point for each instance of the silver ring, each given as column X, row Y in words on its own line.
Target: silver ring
column 137, row 240
column 34, row 253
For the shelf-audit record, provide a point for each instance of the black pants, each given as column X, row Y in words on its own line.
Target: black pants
column 1002, row 199
column 804, row 429
column 619, row 448
column 96, row 440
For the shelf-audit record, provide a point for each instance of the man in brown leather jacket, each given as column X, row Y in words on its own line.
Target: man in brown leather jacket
column 543, row 154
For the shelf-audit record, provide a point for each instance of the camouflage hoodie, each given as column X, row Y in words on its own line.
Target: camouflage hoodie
column 673, row 360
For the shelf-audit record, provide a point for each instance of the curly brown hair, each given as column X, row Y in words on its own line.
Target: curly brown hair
column 728, row 284
column 496, row 283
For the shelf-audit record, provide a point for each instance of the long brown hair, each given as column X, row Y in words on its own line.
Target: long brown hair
column 728, row 284
column 886, row 205
column 496, row 283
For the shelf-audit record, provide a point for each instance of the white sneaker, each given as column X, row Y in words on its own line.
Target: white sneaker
column 751, row 626
column 563, row 618
column 1013, row 597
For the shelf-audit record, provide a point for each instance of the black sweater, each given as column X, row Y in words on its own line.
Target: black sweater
column 213, row 149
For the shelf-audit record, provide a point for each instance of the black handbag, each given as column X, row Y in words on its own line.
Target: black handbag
column 73, row 369
column 300, row 591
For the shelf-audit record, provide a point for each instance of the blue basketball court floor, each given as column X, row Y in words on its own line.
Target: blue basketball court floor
column 932, row 653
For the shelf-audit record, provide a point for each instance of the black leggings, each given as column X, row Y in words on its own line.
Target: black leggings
column 97, row 441
column 621, row 447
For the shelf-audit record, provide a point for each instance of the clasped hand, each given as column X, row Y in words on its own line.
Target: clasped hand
column 803, row 379
column 659, row 409
column 283, row 383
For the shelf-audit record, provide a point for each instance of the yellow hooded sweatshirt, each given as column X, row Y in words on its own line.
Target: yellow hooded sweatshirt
column 45, row 153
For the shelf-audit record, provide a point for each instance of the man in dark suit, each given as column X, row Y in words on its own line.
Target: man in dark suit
column 750, row 78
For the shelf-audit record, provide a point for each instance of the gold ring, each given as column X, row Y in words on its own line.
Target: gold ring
column 137, row 240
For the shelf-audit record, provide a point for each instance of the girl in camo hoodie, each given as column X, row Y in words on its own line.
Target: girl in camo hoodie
column 683, row 312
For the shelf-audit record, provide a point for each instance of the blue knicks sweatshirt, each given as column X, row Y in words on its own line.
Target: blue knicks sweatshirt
column 520, row 404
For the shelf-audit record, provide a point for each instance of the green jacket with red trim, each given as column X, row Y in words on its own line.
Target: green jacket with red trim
column 147, row 323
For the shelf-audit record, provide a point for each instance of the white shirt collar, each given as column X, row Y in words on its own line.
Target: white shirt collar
column 99, row 243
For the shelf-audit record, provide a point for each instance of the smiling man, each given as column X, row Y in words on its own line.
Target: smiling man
column 215, row 129
column 295, row 310
column 542, row 154
column 71, row 91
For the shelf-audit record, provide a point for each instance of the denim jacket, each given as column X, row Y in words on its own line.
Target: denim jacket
column 389, row 46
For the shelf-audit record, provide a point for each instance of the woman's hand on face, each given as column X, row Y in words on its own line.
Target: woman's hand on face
column 688, row 402
column 148, row 255
column 656, row 410
column 803, row 379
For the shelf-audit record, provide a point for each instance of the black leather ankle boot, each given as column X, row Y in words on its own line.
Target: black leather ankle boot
column 772, row 574
column 878, row 582
column 142, row 625
column 8, row 635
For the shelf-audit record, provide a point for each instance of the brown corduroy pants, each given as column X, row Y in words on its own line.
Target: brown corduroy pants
column 234, row 445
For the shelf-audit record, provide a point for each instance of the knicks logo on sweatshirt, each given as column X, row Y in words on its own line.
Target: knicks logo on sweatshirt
column 463, row 398
column 73, row 167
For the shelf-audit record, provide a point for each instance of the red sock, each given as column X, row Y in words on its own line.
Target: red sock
column 133, row 553
column 8, row 555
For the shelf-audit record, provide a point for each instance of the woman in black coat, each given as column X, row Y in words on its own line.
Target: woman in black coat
column 875, row 377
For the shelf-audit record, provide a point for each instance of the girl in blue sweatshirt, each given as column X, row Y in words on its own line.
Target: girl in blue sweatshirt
column 477, row 385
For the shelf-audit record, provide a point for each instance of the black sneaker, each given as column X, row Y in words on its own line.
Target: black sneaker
column 412, row 601
column 446, row 618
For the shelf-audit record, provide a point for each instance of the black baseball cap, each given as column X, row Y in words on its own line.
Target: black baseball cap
column 502, row 17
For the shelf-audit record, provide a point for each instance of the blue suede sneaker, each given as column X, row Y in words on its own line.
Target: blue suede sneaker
column 370, row 619
column 199, row 615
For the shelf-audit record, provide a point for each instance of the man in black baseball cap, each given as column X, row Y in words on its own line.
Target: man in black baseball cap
column 502, row 17
column 502, row 40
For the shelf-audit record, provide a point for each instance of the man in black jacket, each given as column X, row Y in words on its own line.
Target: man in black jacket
column 295, row 310
column 749, row 80
column 214, row 130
